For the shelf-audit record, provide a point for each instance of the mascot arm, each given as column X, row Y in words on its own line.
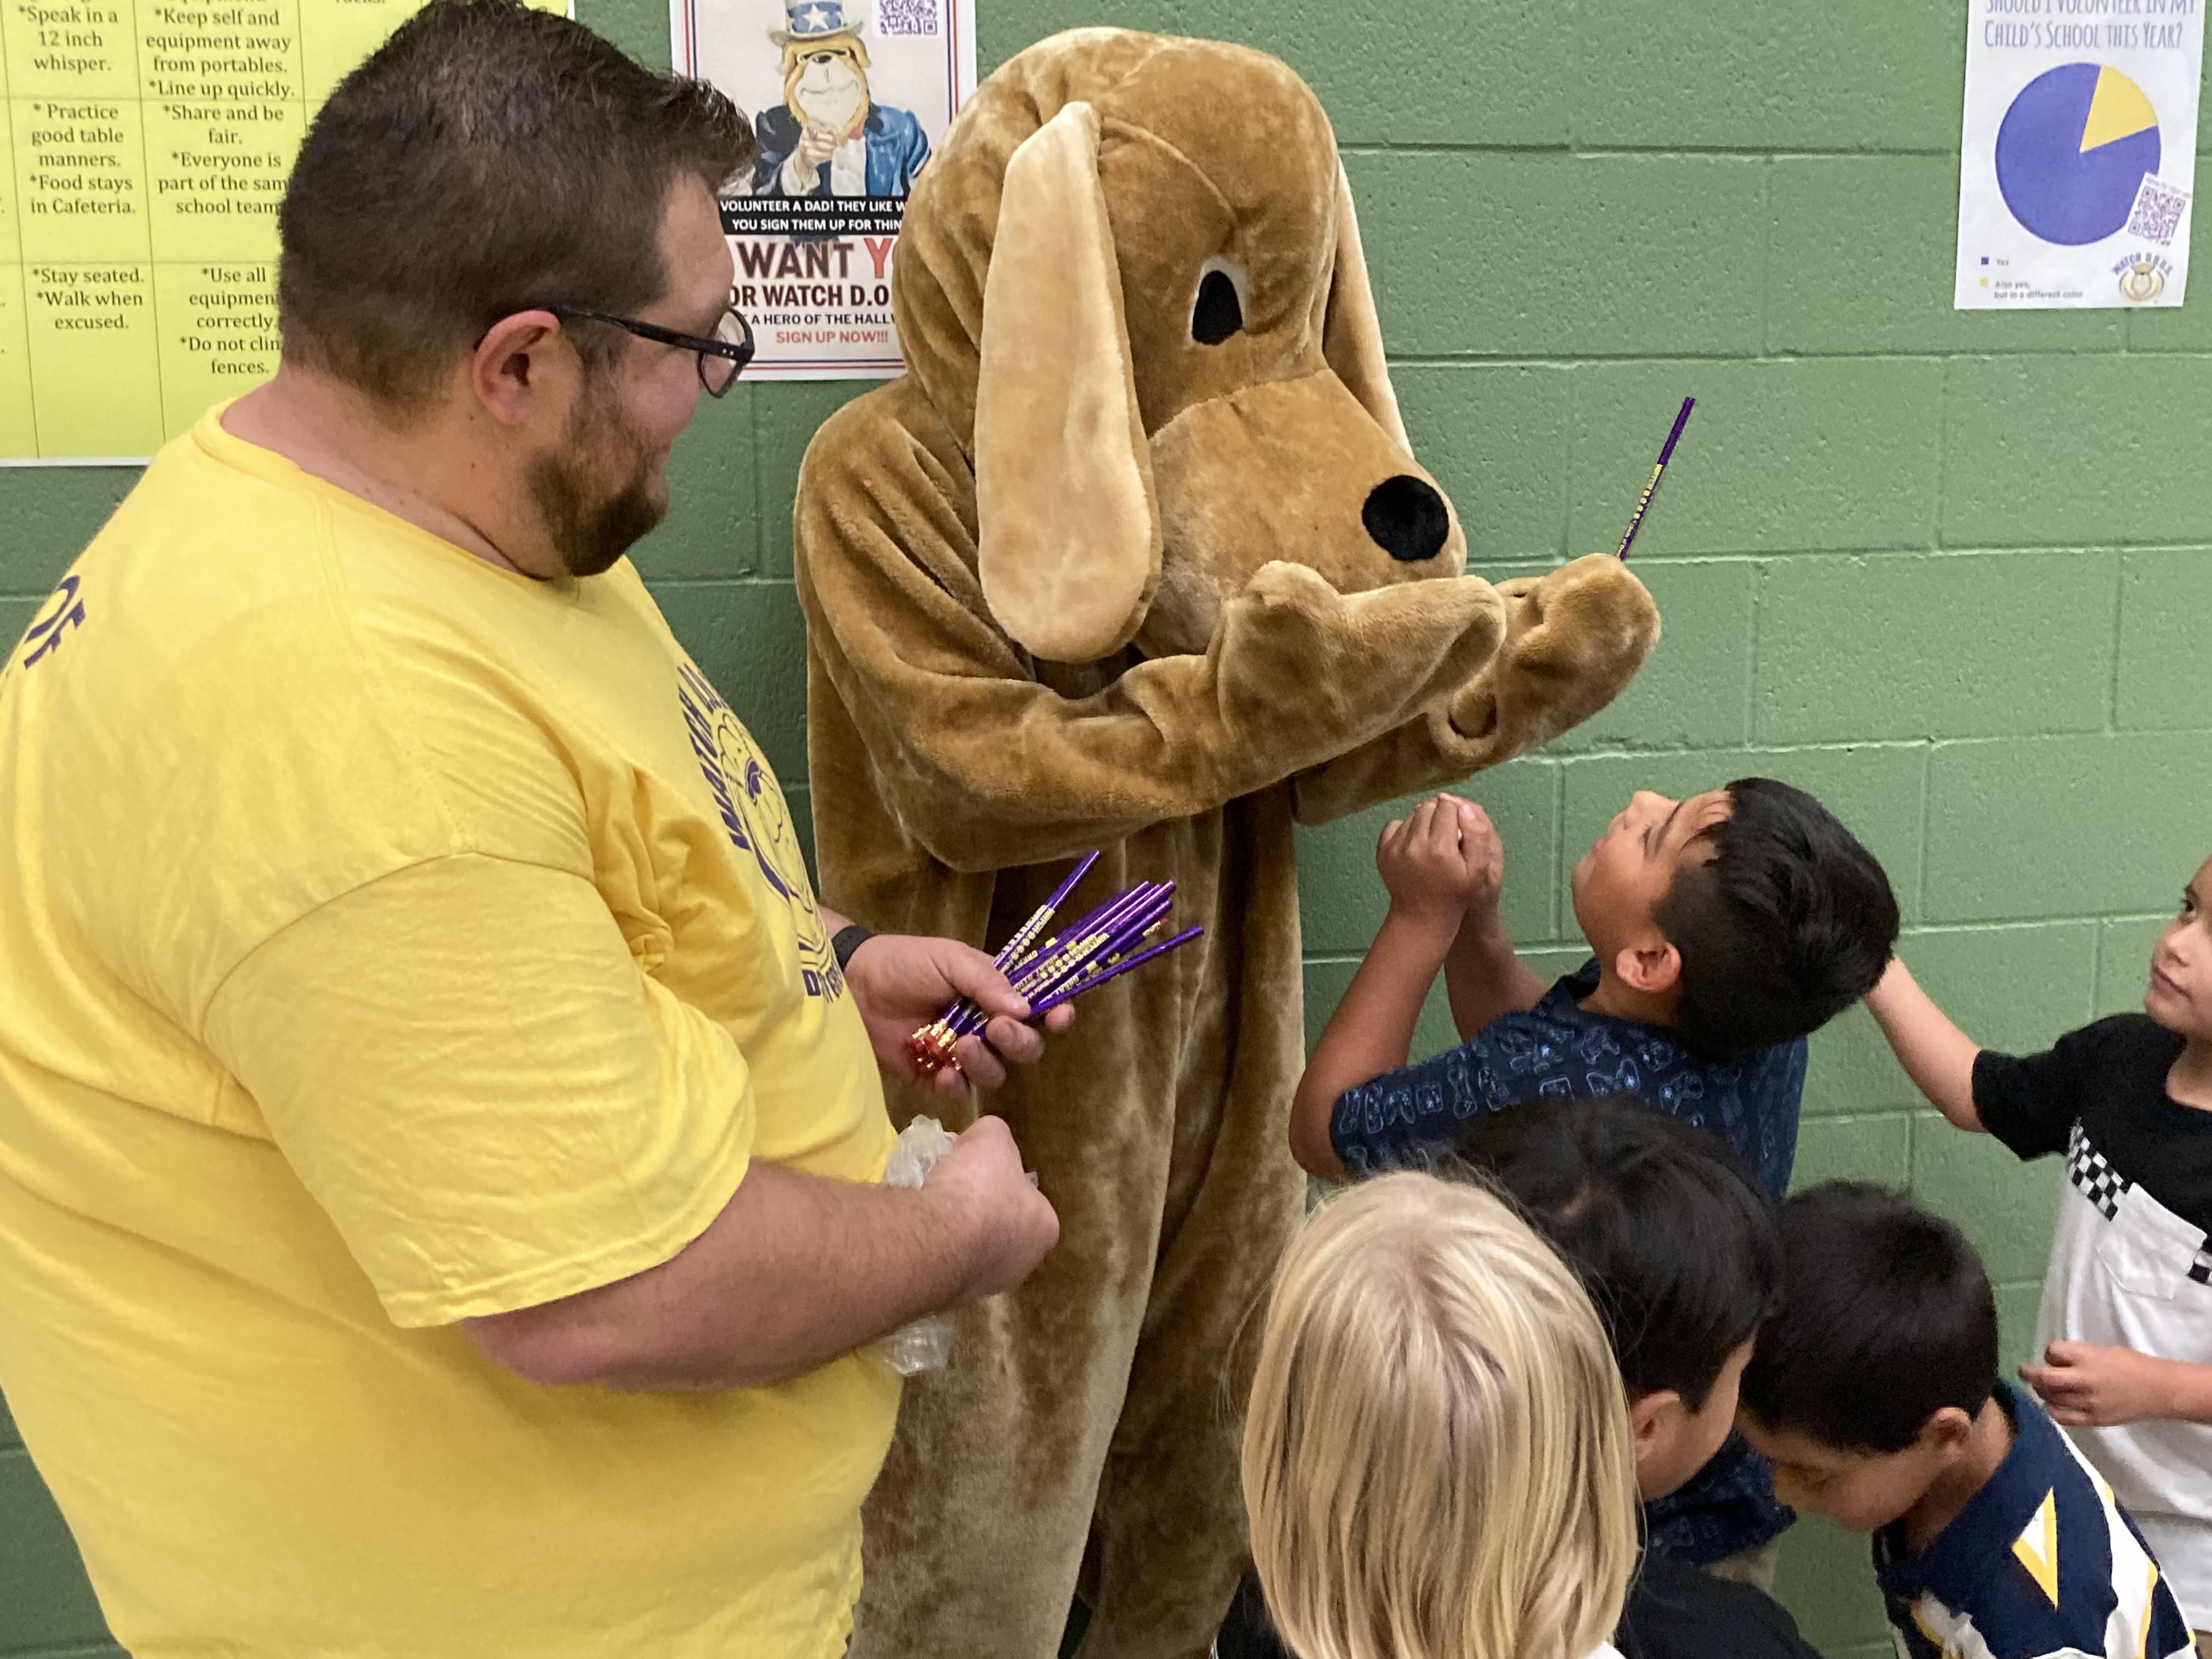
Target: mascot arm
column 986, row 767
column 1574, row 638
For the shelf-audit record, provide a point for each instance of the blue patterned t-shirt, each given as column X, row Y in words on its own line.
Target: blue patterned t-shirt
column 1401, row 1118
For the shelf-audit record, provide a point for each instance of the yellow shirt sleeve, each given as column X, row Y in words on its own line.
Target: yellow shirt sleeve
column 471, row 1075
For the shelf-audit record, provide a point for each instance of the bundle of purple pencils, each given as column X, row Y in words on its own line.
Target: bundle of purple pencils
column 1103, row 946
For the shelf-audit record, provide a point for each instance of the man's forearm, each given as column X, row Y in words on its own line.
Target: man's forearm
column 796, row 1270
column 1484, row 978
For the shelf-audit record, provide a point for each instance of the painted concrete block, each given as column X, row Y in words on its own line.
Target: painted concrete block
column 1906, row 646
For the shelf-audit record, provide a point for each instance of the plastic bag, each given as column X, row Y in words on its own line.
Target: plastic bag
column 926, row 1344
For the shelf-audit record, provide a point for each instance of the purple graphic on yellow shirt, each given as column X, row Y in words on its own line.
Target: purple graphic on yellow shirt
column 62, row 611
column 755, row 818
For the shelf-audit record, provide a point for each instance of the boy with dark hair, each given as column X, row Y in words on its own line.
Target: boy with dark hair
column 1676, row 1246
column 1723, row 928
column 1875, row 1392
column 2124, row 1335
column 1671, row 1237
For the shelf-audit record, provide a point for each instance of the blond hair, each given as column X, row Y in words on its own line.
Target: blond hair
column 1436, row 1457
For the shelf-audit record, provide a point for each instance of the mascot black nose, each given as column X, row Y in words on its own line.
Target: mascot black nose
column 1407, row 518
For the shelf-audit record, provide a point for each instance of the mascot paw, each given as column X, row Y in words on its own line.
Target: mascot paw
column 1395, row 649
column 1574, row 638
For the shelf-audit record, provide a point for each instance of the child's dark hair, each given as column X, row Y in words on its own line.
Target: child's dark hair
column 1786, row 926
column 1674, row 1240
column 1887, row 1317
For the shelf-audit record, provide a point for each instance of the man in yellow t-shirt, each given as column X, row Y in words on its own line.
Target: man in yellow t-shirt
column 439, row 1130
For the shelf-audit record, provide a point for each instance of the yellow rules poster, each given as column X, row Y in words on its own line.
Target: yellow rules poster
column 141, row 165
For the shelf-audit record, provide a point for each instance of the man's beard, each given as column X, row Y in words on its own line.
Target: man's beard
column 590, row 528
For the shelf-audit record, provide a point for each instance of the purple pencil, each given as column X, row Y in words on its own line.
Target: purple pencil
column 1102, row 945
column 1666, row 455
column 1141, row 912
column 1120, row 968
column 953, row 1018
column 1106, row 920
column 1103, row 916
column 1013, row 949
column 1064, row 957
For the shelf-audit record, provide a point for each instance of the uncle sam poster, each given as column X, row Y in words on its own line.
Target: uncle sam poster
column 2078, row 153
column 849, row 100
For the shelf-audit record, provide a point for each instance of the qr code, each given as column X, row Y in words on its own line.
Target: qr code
column 906, row 16
column 2158, row 212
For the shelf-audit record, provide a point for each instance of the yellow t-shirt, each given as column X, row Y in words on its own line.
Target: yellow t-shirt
column 389, row 938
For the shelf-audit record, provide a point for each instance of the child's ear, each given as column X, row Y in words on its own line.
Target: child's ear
column 1654, row 967
column 1947, row 1431
column 1649, row 1415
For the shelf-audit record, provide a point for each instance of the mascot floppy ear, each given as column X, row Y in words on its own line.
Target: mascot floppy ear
column 1069, row 543
column 1350, row 334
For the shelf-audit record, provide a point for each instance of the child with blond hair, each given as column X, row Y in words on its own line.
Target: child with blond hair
column 1436, row 1457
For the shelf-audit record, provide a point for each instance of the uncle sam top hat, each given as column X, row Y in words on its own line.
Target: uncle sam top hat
column 818, row 19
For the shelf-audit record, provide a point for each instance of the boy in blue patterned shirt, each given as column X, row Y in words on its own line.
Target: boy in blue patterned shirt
column 1724, row 928
column 1874, row 1391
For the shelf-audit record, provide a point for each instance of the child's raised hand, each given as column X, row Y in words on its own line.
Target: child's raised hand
column 1483, row 850
column 1441, row 860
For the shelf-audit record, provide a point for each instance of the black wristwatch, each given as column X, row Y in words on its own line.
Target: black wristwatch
column 848, row 940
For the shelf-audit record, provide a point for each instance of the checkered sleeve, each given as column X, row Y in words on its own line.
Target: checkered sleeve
column 2030, row 1101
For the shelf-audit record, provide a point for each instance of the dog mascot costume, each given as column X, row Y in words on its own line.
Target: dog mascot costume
column 1136, row 556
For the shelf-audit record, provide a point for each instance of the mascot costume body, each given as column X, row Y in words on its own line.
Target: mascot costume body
column 1137, row 557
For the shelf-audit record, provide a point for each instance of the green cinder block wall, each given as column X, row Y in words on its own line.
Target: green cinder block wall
column 1951, row 572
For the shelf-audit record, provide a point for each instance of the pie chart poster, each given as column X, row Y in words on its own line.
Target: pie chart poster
column 2078, row 153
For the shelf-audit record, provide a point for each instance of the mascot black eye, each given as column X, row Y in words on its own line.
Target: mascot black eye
column 1219, row 313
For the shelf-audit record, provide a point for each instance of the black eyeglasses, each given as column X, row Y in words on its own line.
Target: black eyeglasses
column 721, row 359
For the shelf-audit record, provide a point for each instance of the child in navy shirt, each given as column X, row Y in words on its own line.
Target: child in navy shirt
column 1875, row 1390
column 1724, row 928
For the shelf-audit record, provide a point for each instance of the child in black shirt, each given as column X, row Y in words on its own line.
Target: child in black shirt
column 2125, row 1331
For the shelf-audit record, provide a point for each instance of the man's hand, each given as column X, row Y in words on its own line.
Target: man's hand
column 2087, row 1385
column 901, row 981
column 1014, row 1226
column 1442, row 863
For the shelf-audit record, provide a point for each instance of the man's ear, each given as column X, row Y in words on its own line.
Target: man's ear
column 511, row 369
column 1654, row 967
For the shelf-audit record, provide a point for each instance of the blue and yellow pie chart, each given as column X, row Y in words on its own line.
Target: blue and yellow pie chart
column 2072, row 151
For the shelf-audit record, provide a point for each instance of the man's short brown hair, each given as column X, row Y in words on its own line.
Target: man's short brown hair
column 488, row 159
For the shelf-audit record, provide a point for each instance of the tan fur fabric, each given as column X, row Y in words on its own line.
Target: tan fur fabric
column 1059, row 453
column 1286, row 668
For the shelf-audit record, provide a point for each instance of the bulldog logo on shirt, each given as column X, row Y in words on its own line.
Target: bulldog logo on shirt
column 62, row 611
column 757, row 819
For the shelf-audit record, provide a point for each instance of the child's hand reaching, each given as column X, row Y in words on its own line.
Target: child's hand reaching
column 2086, row 1384
column 1441, row 862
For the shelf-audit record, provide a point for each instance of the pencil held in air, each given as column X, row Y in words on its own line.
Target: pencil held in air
column 1665, row 453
